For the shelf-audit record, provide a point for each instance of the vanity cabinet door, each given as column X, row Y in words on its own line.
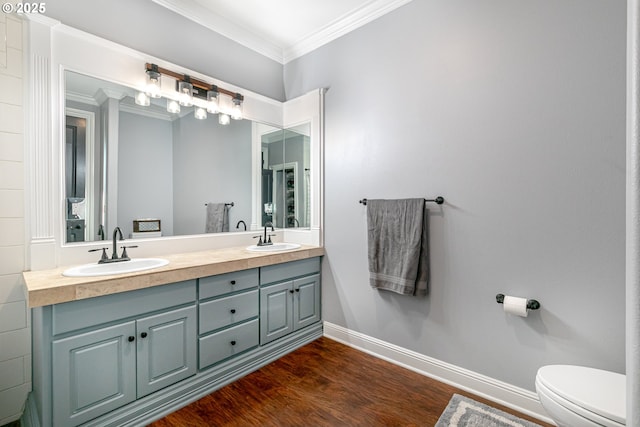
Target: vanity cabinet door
column 166, row 349
column 306, row 302
column 93, row 373
column 276, row 305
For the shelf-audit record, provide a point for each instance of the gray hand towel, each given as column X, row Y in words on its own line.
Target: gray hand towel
column 217, row 218
column 398, row 246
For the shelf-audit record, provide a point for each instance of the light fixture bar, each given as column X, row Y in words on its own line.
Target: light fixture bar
column 195, row 82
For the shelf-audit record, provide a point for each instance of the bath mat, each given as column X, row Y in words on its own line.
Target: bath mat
column 464, row 412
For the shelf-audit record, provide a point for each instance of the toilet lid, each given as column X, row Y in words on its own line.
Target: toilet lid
column 595, row 390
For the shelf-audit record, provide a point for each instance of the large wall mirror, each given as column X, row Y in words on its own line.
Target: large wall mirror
column 158, row 174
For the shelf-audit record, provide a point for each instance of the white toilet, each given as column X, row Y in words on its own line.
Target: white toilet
column 577, row 396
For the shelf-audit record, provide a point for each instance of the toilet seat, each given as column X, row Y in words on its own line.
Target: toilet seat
column 594, row 394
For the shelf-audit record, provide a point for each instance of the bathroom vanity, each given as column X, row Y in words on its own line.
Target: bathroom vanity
column 128, row 349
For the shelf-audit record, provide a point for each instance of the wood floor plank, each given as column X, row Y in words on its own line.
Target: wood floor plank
column 324, row 383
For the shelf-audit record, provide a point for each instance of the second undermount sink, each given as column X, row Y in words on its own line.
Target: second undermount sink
column 131, row 266
column 275, row 247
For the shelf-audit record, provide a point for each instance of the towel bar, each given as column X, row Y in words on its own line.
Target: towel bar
column 439, row 200
column 232, row 204
column 531, row 303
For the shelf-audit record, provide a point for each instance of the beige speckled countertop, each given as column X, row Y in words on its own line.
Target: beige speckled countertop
column 48, row 287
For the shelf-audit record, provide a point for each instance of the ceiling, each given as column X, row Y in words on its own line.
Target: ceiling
column 282, row 29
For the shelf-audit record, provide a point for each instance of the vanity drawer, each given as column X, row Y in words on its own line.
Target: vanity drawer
column 90, row 312
column 218, row 313
column 228, row 342
column 289, row 270
column 221, row 284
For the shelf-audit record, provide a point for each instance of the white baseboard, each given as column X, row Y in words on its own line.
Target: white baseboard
column 516, row 398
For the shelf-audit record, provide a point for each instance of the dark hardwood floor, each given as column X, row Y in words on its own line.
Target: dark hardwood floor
column 324, row 383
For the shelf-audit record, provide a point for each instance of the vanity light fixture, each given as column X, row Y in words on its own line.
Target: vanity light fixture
column 142, row 99
column 236, row 110
column 213, row 100
column 200, row 113
column 189, row 88
column 153, row 81
column 185, row 92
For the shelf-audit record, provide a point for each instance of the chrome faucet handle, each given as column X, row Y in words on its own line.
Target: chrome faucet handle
column 125, row 256
column 104, row 253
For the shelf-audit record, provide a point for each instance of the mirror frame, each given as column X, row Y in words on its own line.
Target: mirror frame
column 56, row 48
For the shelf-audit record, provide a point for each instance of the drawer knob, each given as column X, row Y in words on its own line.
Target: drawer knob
column 233, row 311
column 233, row 282
column 143, row 335
column 131, row 339
column 233, row 343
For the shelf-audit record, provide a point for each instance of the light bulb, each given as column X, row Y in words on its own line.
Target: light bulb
column 153, row 83
column 142, row 99
column 185, row 94
column 173, row 106
column 236, row 110
column 223, row 119
column 200, row 113
column 213, row 101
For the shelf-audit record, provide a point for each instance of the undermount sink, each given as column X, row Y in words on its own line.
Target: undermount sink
column 133, row 265
column 275, row 247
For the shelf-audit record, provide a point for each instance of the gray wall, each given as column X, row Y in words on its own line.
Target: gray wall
column 155, row 30
column 514, row 111
column 145, row 172
column 211, row 163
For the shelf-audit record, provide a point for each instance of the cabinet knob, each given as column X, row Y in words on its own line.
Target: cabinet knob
column 298, row 290
column 233, row 343
column 291, row 291
column 131, row 339
column 143, row 335
column 233, row 311
column 233, row 282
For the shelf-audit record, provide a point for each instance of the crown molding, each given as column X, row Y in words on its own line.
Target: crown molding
column 245, row 37
column 220, row 25
column 342, row 26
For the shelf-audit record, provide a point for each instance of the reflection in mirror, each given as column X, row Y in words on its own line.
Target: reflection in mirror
column 148, row 171
column 286, row 182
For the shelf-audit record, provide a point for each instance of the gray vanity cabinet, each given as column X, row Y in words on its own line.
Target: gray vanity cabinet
column 92, row 373
column 289, row 298
column 125, row 358
column 112, row 350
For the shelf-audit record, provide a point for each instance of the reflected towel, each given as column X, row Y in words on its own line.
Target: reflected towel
column 217, row 218
column 398, row 246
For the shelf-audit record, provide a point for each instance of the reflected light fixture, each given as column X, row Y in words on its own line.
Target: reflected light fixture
column 153, row 82
column 200, row 113
column 189, row 88
column 185, row 92
column 173, row 106
column 142, row 99
column 223, row 119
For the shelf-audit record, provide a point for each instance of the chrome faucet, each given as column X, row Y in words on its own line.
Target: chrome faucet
column 267, row 238
column 114, row 256
column 116, row 231
column 266, row 241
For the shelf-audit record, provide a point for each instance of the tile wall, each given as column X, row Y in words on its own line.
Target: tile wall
column 15, row 347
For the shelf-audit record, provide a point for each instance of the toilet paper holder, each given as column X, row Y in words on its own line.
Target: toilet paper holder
column 531, row 303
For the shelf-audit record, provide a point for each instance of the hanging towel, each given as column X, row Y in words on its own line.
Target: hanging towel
column 398, row 246
column 217, row 218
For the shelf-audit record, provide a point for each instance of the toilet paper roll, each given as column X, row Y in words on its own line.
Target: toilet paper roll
column 516, row 306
